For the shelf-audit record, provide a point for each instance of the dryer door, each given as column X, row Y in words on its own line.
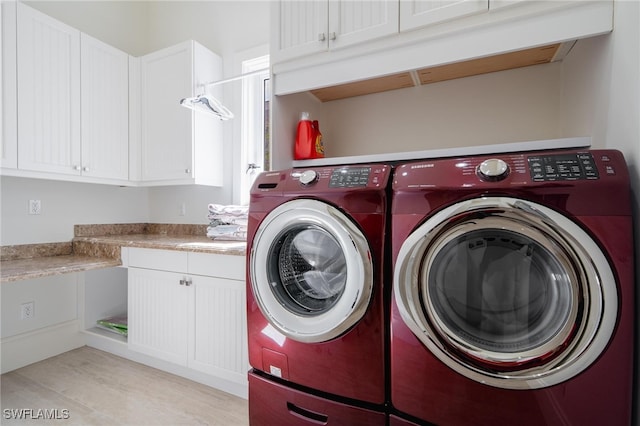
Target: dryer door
column 311, row 271
column 506, row 292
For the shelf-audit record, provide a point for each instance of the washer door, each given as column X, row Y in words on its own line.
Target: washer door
column 311, row 271
column 506, row 292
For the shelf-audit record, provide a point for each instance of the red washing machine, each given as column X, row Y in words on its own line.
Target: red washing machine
column 513, row 297
column 316, row 318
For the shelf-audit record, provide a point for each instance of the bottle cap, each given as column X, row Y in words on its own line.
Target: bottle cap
column 304, row 115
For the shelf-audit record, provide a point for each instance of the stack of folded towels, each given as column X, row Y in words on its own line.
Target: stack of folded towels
column 227, row 222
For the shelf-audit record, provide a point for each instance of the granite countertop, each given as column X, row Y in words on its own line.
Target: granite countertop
column 98, row 246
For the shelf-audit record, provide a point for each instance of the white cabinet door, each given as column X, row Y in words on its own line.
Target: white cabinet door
column 49, row 94
column 157, row 314
column 105, row 113
column 302, row 28
column 356, row 21
column 420, row 13
column 298, row 28
column 179, row 146
column 166, row 126
column 8, row 92
column 218, row 343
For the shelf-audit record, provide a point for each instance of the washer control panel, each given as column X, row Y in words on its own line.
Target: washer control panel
column 350, row 177
column 356, row 177
column 560, row 167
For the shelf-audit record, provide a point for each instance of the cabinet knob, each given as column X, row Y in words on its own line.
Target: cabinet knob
column 333, row 36
column 187, row 171
column 77, row 168
column 322, row 37
column 188, row 282
column 85, row 169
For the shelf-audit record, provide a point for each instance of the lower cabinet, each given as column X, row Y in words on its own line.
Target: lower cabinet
column 191, row 320
column 186, row 314
column 158, row 318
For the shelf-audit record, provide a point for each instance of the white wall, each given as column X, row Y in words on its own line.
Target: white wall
column 64, row 204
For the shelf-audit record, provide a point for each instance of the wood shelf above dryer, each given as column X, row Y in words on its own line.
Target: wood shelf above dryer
column 502, row 62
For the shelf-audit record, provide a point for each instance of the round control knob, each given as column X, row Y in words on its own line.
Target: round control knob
column 493, row 170
column 308, row 177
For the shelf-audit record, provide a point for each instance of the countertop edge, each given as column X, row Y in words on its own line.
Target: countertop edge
column 40, row 267
column 104, row 252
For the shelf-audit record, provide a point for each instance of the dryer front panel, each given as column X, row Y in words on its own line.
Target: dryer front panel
column 506, row 292
column 311, row 271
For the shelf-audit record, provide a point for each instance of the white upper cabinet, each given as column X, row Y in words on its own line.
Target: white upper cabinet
column 428, row 33
column 353, row 22
column 299, row 28
column 419, row 13
column 8, row 92
column 179, row 146
column 48, row 60
column 105, row 110
column 72, row 108
column 306, row 27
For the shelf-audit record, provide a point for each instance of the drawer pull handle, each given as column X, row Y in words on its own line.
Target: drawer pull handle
column 308, row 415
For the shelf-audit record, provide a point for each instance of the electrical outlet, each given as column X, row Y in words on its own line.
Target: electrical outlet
column 35, row 206
column 182, row 211
column 27, row 310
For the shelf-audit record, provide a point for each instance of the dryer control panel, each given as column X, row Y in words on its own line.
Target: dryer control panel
column 599, row 167
column 562, row 167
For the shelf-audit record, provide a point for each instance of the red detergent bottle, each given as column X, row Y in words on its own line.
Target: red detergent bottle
column 304, row 138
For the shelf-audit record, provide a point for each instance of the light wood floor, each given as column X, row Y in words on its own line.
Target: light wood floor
column 98, row 388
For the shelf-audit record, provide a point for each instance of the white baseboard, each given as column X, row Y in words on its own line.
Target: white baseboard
column 116, row 346
column 26, row 348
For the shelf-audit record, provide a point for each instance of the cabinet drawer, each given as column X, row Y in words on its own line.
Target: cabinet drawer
column 217, row 265
column 164, row 260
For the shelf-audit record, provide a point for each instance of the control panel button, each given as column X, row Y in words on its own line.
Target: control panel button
column 493, row 169
column 308, row 177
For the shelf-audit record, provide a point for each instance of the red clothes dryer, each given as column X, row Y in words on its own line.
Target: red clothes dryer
column 316, row 296
column 513, row 291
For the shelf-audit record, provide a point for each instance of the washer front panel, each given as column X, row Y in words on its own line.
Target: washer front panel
column 506, row 292
column 311, row 271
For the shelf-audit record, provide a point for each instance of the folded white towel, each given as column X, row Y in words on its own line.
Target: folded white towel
column 229, row 210
column 228, row 219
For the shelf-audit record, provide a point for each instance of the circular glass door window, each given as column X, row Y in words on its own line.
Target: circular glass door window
column 310, row 273
column 499, row 290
